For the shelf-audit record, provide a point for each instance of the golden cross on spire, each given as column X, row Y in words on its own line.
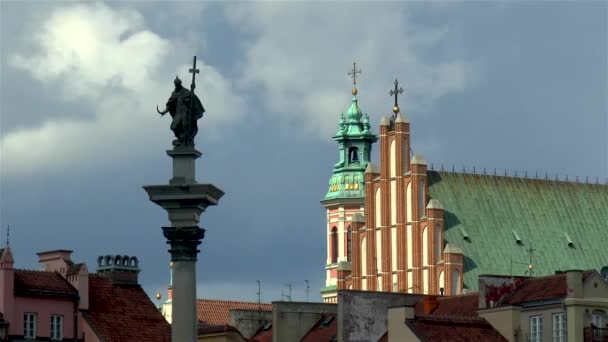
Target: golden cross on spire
column 353, row 73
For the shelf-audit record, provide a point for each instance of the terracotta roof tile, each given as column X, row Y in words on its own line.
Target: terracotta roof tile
column 217, row 312
column 40, row 283
column 464, row 305
column 325, row 330
column 453, row 329
column 538, row 289
column 541, row 288
column 120, row 313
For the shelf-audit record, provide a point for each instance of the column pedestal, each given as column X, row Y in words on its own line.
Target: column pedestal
column 184, row 200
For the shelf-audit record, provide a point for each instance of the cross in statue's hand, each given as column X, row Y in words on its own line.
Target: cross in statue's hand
column 193, row 71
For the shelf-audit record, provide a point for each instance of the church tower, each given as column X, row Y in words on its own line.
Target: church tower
column 346, row 194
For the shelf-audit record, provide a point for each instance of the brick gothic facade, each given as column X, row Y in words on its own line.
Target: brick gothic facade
column 398, row 245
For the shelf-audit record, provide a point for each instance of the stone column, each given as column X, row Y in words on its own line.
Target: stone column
column 184, row 200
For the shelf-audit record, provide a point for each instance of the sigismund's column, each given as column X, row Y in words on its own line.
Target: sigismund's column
column 185, row 200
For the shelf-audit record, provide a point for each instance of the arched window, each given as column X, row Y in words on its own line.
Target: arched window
column 349, row 244
column 353, row 155
column 334, row 245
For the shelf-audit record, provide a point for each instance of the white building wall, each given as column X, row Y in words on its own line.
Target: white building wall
column 410, row 255
column 393, row 202
column 408, row 202
column 378, row 208
column 341, row 234
column 410, row 281
column 425, row 281
column 378, row 251
column 394, row 249
column 425, row 246
column 364, row 256
column 393, row 160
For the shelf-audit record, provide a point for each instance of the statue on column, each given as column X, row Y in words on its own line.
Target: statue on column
column 185, row 109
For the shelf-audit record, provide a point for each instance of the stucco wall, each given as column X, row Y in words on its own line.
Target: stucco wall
column 363, row 315
column 249, row 321
column 291, row 320
column 43, row 308
column 398, row 331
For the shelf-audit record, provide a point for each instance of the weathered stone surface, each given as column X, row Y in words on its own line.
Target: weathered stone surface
column 363, row 315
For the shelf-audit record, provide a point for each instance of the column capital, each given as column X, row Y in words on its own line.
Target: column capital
column 184, row 242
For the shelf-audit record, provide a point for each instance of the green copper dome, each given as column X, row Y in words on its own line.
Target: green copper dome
column 354, row 113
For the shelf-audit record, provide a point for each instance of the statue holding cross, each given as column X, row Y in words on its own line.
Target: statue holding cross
column 185, row 109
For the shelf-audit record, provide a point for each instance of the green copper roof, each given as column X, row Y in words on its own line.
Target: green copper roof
column 355, row 143
column 355, row 125
column 565, row 223
column 354, row 113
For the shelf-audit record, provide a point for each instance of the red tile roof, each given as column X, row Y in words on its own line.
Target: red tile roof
column 541, row 288
column 40, row 283
column 438, row 328
column 120, row 313
column 464, row 305
column 217, row 312
column 323, row 332
column 214, row 329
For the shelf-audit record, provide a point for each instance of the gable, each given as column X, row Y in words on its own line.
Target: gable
column 565, row 223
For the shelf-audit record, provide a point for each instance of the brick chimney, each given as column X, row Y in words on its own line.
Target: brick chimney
column 121, row 269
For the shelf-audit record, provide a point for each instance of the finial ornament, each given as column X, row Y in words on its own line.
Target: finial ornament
column 353, row 74
column 395, row 92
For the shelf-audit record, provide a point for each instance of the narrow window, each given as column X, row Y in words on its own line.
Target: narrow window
column 56, row 327
column 349, row 244
column 29, row 325
column 536, row 329
column 334, row 245
column 597, row 322
column 353, row 155
column 597, row 318
column 559, row 327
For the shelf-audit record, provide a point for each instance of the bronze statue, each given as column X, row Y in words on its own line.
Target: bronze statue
column 185, row 109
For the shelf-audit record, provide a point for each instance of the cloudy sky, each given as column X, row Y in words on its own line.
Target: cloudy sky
column 517, row 86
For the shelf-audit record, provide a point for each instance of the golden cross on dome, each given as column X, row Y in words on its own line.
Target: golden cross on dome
column 353, row 73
